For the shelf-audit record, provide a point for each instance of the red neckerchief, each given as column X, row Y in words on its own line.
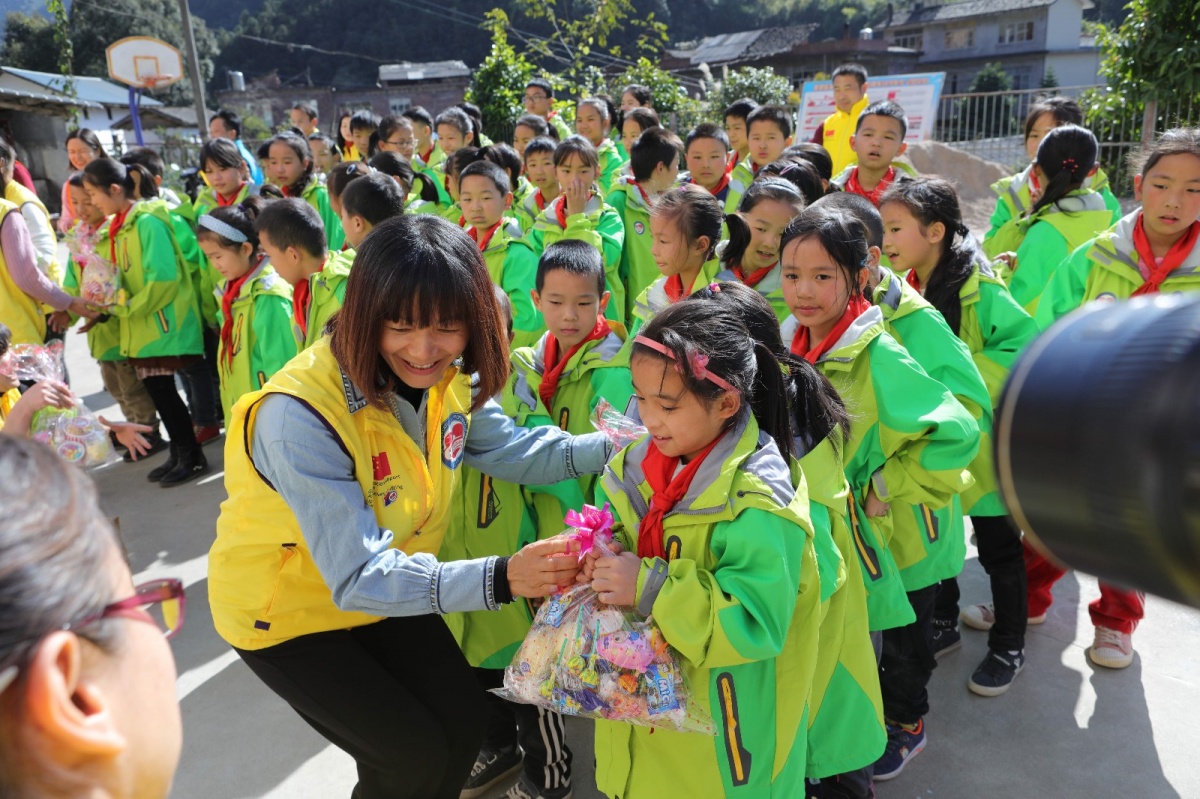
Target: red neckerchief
column 487, row 238
column 1175, row 256
column 113, row 228
column 223, row 203
column 539, row 199
column 720, row 187
column 1034, row 183
column 551, row 374
column 560, row 210
column 287, row 191
column 734, row 160
column 755, row 277
column 852, row 185
column 645, row 196
column 857, row 306
column 301, row 298
column 425, row 155
column 667, row 489
column 914, row 281
column 232, row 290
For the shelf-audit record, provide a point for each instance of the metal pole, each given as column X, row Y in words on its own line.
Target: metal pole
column 189, row 39
column 1148, row 120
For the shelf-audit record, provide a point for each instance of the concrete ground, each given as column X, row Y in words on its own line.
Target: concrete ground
column 1066, row 729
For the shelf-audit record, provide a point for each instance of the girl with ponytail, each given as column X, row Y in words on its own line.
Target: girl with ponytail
column 924, row 236
column 718, row 546
column 751, row 255
column 290, row 164
column 255, row 318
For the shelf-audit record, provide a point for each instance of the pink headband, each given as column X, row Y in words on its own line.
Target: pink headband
column 699, row 363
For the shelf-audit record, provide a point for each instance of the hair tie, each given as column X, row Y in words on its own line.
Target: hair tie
column 963, row 230
column 1069, row 164
column 223, row 229
column 714, row 287
column 699, row 363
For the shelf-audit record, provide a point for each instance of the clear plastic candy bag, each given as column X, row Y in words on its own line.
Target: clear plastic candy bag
column 75, row 434
column 585, row 658
column 620, row 429
column 100, row 278
column 34, row 362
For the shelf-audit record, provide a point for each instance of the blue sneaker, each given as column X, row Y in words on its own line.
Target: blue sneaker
column 902, row 746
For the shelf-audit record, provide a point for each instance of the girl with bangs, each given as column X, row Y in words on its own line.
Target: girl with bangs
column 325, row 596
column 290, row 163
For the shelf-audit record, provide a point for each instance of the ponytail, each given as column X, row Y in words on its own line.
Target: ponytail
column 772, row 399
column 768, row 188
column 1066, row 155
column 134, row 179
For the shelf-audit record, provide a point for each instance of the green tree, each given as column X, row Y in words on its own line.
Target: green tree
column 29, row 42
column 761, row 85
column 498, row 84
column 1049, row 79
column 991, row 114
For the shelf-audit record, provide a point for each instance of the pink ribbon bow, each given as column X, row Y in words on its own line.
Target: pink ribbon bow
column 591, row 525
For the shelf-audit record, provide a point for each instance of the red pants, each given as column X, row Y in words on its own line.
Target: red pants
column 1116, row 609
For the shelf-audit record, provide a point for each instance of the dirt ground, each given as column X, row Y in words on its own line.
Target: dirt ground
column 971, row 175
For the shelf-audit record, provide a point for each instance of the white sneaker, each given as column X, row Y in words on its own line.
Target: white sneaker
column 982, row 617
column 1111, row 649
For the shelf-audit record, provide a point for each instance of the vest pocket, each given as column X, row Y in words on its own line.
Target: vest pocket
column 286, row 555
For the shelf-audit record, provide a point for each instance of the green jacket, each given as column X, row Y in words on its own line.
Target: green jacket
column 638, row 269
column 104, row 338
column 739, row 180
column 1014, row 199
column 771, row 286
column 261, row 341
column 1106, row 269
column 327, row 289
column 317, row 196
column 512, row 265
column 1050, row 237
column 845, row 723
column 159, row 315
column 740, row 601
column 599, row 370
column 653, row 300
column 611, row 161
column 600, row 226
column 207, row 200
column 560, row 125
column 530, row 208
column 910, row 438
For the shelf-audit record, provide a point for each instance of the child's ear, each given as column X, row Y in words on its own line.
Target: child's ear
column 788, row 141
column 935, row 232
column 603, row 306
column 728, row 404
column 1137, row 187
column 158, row 180
column 537, row 298
column 874, row 254
column 903, row 148
column 508, row 201
column 853, row 138
column 703, row 244
column 246, row 249
column 468, row 139
column 864, row 277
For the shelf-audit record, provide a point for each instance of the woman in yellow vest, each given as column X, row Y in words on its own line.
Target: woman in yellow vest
column 340, row 473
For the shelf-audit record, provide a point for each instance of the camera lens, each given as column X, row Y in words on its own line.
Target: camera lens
column 1098, row 443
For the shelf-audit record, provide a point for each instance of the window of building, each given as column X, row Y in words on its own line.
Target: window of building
column 913, row 41
column 1013, row 32
column 398, row 105
column 960, row 38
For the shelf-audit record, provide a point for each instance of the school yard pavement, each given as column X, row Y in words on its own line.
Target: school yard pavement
column 1066, row 729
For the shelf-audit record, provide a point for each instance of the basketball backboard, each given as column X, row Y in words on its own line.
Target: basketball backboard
column 144, row 62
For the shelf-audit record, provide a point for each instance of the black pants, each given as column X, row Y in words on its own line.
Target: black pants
column 540, row 732
column 202, row 384
column 171, row 410
column 1002, row 557
column 945, row 608
column 857, row 784
column 908, row 662
column 396, row 695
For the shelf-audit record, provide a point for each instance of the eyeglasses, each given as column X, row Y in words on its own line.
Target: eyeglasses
column 160, row 603
column 536, row 97
column 402, row 142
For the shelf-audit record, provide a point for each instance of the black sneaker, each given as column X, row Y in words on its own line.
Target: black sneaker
column 525, row 789
column 489, row 769
column 159, row 472
column 996, row 673
column 192, row 464
column 946, row 637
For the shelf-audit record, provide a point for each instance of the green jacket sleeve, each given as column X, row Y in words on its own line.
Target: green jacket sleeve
column 1112, row 203
column 520, row 273
column 334, row 235
column 614, row 385
column 1000, row 217
column 1007, row 330
column 945, row 358
column 740, row 611
column 1067, row 288
column 927, row 436
column 70, row 282
column 1039, row 255
column 162, row 271
column 606, row 234
column 274, row 344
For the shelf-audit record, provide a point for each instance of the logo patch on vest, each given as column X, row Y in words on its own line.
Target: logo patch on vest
column 390, row 497
column 381, row 466
column 1107, row 298
column 639, row 228
column 454, row 440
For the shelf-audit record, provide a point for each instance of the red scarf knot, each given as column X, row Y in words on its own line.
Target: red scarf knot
column 553, row 365
column 801, row 347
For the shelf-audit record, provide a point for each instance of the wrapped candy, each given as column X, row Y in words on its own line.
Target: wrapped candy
column 34, row 362
column 75, row 434
column 585, row 658
column 100, row 278
column 620, row 429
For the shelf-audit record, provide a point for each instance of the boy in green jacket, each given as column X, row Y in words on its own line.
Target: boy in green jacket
column 654, row 158
column 539, row 171
column 769, row 131
column 376, row 199
column 292, row 236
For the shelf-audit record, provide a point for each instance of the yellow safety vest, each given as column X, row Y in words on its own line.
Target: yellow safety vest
column 838, row 128
column 21, row 196
column 263, row 585
column 21, row 313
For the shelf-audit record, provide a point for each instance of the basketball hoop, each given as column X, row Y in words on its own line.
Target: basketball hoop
column 151, row 82
column 142, row 62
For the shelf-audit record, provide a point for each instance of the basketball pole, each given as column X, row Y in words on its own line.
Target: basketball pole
column 189, row 40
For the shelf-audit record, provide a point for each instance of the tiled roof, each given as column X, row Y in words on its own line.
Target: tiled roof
column 95, row 90
column 430, row 70
column 918, row 13
column 745, row 45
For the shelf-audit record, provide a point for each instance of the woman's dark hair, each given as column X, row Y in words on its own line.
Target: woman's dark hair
column 8, row 155
column 640, row 93
column 799, row 173
column 89, row 138
column 300, row 147
column 419, row 269
column 817, row 408
column 135, row 180
column 740, row 234
column 1064, row 110
column 932, row 200
column 221, row 152
column 505, row 157
column 843, row 237
column 340, row 176
column 54, row 544
column 395, row 166
column 1177, row 141
column 576, row 145
column 337, row 130
column 691, row 329
column 695, row 212
column 1066, row 155
column 814, row 154
column 241, row 216
column 539, row 126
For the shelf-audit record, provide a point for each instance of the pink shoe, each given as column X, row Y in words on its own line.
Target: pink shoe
column 1111, row 649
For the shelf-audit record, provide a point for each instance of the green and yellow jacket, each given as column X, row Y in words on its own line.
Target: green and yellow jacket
column 261, row 341
column 653, row 300
column 770, row 287
column 327, row 289
column 207, row 200
column 637, row 261
column 1014, row 198
column 611, row 161
column 739, row 180
column 530, row 208
column 317, row 196
column 159, row 315
column 512, row 265
column 740, row 601
column 598, row 225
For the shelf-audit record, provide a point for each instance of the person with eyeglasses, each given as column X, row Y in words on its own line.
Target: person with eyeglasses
column 396, row 135
column 87, row 679
column 539, row 100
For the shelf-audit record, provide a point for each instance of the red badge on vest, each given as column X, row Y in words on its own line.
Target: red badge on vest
column 390, row 497
column 381, row 466
column 454, row 440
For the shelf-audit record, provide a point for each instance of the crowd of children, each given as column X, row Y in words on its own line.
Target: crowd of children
column 810, row 334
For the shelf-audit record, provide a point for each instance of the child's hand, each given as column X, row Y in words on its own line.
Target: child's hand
column 576, row 192
column 130, row 436
column 875, row 507
column 80, row 307
column 46, row 394
column 542, row 567
column 59, row 321
column 614, row 578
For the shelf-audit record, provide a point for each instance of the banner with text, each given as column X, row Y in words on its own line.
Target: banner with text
column 917, row 94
